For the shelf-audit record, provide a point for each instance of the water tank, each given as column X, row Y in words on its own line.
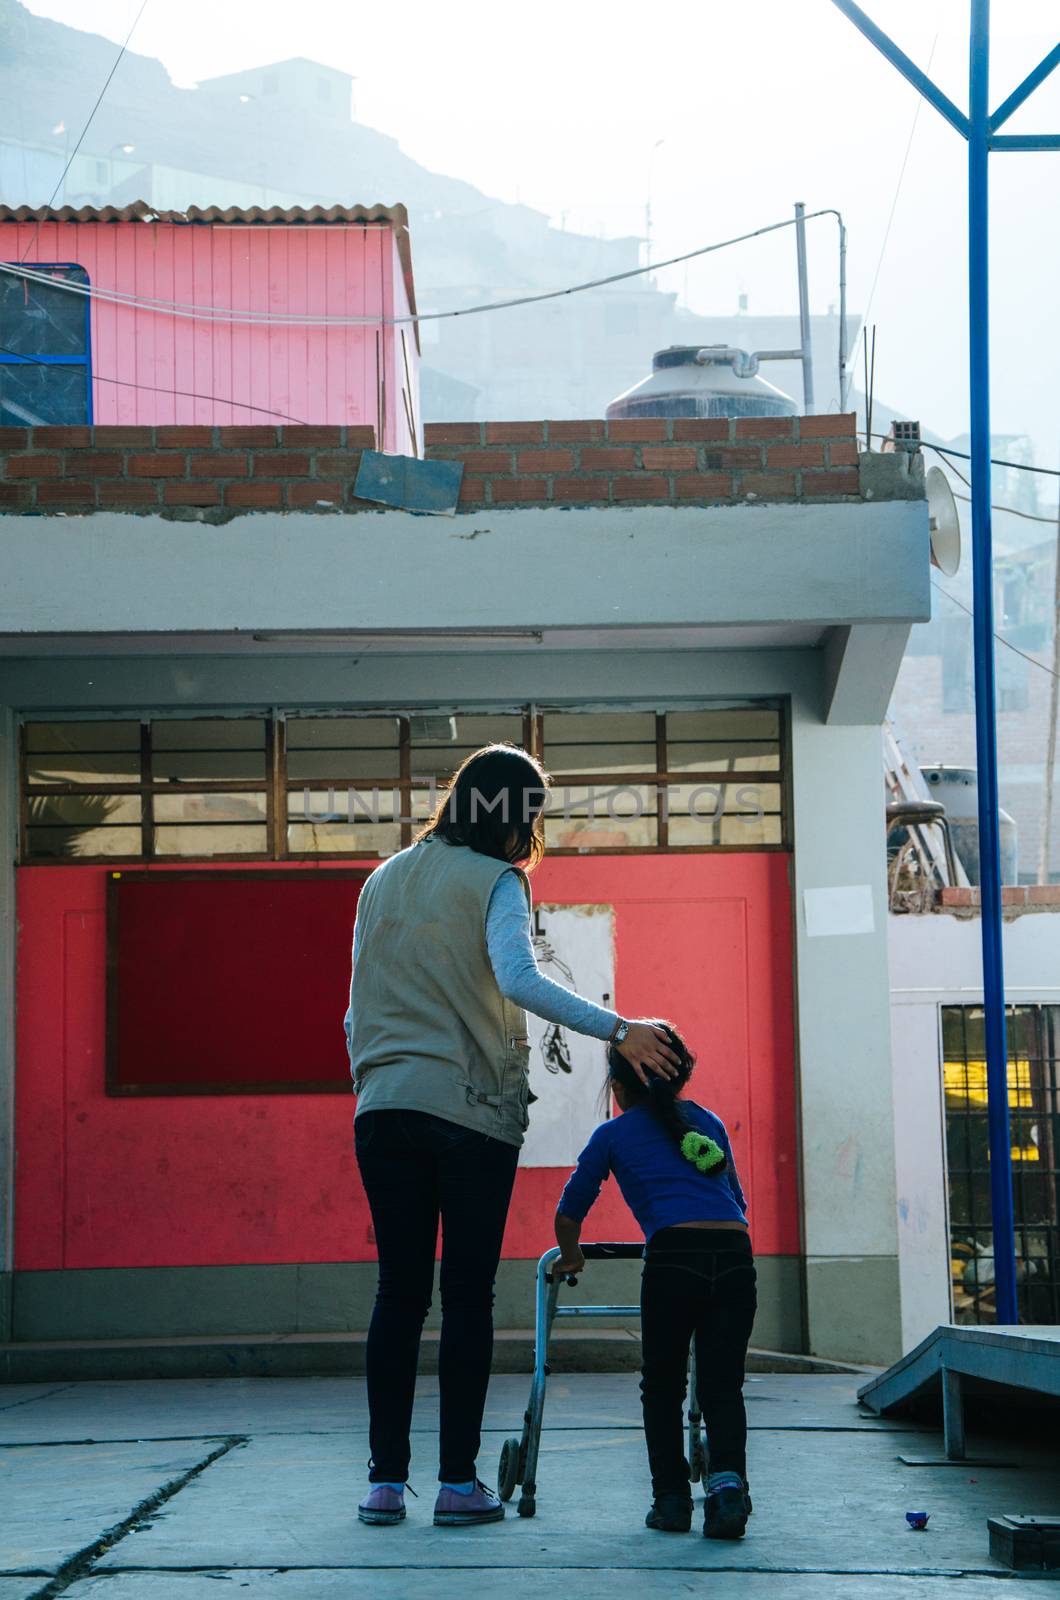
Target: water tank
column 697, row 381
column 958, row 790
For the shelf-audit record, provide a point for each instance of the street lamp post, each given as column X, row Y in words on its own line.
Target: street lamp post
column 979, row 129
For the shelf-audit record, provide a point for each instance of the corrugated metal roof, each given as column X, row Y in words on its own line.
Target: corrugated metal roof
column 139, row 211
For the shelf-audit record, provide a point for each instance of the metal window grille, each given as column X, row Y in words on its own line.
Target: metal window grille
column 45, row 350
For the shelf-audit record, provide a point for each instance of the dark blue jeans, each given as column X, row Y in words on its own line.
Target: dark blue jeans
column 698, row 1283
column 417, row 1170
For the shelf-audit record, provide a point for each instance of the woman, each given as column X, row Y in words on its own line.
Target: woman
column 443, row 972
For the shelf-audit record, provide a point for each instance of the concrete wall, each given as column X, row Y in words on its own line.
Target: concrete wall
column 937, row 961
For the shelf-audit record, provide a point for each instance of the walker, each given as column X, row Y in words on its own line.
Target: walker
column 518, row 1463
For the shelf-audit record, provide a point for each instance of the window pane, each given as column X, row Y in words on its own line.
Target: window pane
column 439, row 743
column 360, row 838
column 605, row 833
column 32, row 396
column 342, row 766
column 189, row 751
column 223, row 839
column 748, row 756
column 744, row 832
column 732, row 723
column 343, row 805
column 83, row 810
column 81, row 842
column 82, row 736
column 42, row 319
column 209, row 807
column 104, row 768
column 599, row 741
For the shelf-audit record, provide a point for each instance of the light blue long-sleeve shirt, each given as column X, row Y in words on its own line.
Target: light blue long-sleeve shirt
column 516, row 970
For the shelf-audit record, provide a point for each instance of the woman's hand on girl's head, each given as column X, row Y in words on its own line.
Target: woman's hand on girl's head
column 646, row 1047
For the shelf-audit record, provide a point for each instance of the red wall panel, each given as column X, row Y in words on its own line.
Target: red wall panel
column 215, row 1180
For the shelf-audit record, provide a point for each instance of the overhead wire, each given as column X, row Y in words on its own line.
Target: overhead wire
column 308, row 320
column 1000, row 637
column 156, row 388
column 99, row 101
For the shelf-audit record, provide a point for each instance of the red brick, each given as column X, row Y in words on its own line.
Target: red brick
column 581, row 489
column 307, row 495
column 93, row 464
column 111, row 435
column 452, row 433
column 842, row 453
column 510, row 491
column 239, row 435
column 1043, row 894
column 842, row 481
column 258, row 495
column 734, row 458
column 66, row 493
column 575, row 432
column 642, row 487
column 701, row 428
column 361, row 435
column 637, row 430
column 767, row 485
column 838, row 427
column 157, row 466
column 344, row 464
column 219, row 464
column 120, row 494
column 606, row 460
column 14, row 438
column 32, row 466
column 668, row 458
column 191, row 494
column 58, row 438
column 194, row 438
column 545, row 461
column 308, row 436
column 485, row 460
column 957, row 896
column 515, row 433
column 290, row 465
column 765, row 427
column 704, row 486
column 15, row 496
column 473, row 491
column 795, row 455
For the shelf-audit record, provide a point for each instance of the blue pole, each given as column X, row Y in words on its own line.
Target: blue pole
column 983, row 646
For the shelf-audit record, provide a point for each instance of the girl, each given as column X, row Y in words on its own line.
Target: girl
column 675, row 1170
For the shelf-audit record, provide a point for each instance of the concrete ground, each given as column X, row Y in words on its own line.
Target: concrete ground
column 164, row 1490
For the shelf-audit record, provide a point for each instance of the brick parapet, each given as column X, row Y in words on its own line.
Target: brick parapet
column 648, row 461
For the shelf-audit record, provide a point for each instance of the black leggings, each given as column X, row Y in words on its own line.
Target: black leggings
column 417, row 1169
column 698, row 1282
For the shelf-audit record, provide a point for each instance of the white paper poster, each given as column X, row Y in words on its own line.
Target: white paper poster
column 575, row 947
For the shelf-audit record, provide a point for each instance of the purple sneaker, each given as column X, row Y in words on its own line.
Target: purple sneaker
column 455, row 1510
column 382, row 1505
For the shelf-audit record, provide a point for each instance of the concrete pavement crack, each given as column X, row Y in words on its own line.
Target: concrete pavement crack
column 33, row 1398
column 81, row 1563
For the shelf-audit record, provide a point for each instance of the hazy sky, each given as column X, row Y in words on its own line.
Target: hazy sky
column 758, row 103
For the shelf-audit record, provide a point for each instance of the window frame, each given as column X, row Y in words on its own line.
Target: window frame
column 10, row 359
column 277, row 787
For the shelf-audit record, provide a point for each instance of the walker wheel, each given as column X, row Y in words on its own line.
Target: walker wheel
column 698, row 1462
column 527, row 1506
column 508, row 1470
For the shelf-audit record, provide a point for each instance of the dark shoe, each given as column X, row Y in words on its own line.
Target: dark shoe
column 382, row 1506
column 670, row 1513
column 725, row 1513
column 455, row 1510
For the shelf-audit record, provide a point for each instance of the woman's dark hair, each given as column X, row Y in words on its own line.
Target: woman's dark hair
column 662, row 1095
column 494, row 804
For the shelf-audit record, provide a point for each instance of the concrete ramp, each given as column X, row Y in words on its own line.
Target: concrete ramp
column 1021, row 1358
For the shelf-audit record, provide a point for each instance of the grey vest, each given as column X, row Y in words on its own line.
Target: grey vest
column 431, row 1030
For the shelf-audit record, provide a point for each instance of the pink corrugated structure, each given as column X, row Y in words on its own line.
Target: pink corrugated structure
column 150, row 365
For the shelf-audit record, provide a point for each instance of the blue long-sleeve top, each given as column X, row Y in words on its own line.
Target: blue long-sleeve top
column 659, row 1185
column 516, row 970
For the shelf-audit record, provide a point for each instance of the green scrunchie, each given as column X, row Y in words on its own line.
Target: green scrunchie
column 703, row 1152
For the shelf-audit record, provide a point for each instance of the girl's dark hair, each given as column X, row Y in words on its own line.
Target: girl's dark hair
column 662, row 1095
column 494, row 804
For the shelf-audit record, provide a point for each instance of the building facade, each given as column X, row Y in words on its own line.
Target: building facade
column 217, row 719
